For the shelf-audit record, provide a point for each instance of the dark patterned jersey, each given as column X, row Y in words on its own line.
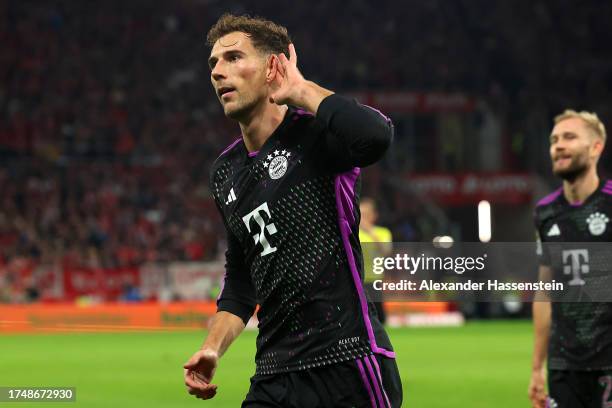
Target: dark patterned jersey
column 581, row 332
column 292, row 217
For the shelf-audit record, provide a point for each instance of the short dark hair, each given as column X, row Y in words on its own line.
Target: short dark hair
column 266, row 35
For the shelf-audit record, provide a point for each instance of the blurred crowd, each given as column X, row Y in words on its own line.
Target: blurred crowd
column 108, row 124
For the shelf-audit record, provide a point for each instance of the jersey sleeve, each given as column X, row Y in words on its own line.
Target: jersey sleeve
column 355, row 135
column 238, row 293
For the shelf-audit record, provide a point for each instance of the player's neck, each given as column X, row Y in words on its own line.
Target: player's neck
column 260, row 124
column 366, row 227
column 579, row 189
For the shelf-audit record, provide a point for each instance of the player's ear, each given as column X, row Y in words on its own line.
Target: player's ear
column 597, row 147
column 271, row 67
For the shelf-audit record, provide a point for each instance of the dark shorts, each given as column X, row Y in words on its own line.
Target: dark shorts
column 372, row 382
column 580, row 389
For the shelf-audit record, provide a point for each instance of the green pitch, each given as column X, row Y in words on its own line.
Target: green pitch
column 484, row 364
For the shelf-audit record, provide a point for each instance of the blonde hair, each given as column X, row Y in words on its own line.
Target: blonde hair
column 590, row 119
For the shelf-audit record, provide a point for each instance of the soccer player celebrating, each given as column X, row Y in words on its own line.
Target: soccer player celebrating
column 576, row 337
column 287, row 191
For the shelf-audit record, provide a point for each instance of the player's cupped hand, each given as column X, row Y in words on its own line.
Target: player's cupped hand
column 288, row 80
column 198, row 373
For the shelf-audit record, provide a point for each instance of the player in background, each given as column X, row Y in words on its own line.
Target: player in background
column 573, row 340
column 288, row 193
column 379, row 243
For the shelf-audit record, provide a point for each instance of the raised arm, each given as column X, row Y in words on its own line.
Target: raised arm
column 357, row 135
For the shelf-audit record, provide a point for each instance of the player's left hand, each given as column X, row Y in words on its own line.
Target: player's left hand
column 288, row 82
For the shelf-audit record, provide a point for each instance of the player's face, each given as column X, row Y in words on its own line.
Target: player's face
column 237, row 73
column 368, row 213
column 571, row 149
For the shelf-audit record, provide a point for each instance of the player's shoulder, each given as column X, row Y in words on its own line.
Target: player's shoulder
column 606, row 190
column 301, row 128
column 550, row 199
column 303, row 121
column 364, row 236
column 300, row 114
column 549, row 205
column 226, row 154
column 221, row 167
column 383, row 233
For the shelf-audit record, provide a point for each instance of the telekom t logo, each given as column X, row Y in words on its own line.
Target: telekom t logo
column 575, row 262
column 260, row 237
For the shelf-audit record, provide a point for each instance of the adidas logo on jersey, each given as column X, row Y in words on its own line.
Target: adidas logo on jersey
column 231, row 197
column 554, row 231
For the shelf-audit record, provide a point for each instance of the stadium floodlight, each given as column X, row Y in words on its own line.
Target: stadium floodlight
column 484, row 221
column 444, row 241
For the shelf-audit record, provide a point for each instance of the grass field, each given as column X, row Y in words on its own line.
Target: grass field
column 483, row 364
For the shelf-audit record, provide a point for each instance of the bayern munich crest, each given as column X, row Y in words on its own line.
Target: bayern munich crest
column 597, row 223
column 277, row 163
